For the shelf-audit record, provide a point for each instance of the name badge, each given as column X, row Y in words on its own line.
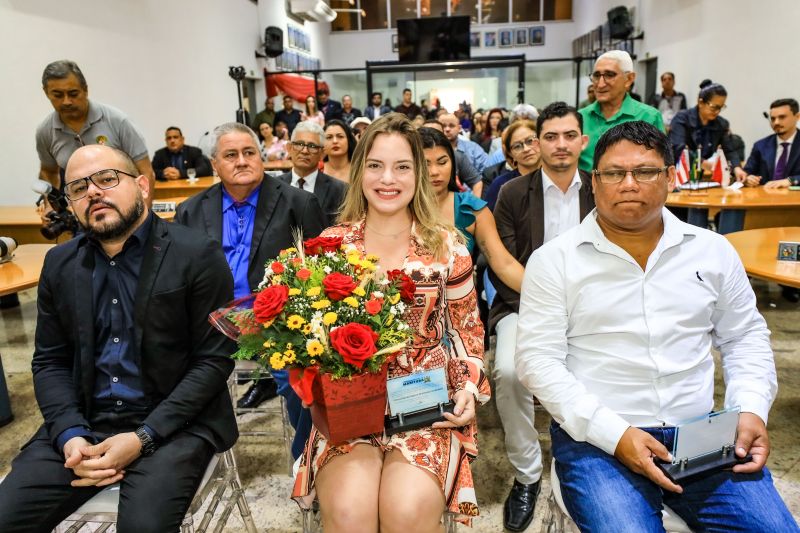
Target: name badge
column 417, row 391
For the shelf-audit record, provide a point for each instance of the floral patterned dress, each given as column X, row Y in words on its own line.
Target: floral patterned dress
column 448, row 334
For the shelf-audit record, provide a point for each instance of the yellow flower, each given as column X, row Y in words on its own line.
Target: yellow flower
column 359, row 291
column 314, row 348
column 352, row 302
column 353, row 259
column 390, row 320
column 306, row 329
column 313, row 361
column 294, row 291
column 329, row 318
column 295, row 321
column 394, row 299
column 367, row 265
column 322, row 304
column 290, row 250
column 268, row 343
column 372, row 257
column 313, row 291
column 289, row 353
column 290, row 359
column 276, row 361
column 268, row 323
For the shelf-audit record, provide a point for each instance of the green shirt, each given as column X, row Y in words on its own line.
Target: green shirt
column 595, row 124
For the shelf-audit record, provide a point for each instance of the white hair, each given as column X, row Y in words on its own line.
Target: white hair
column 311, row 127
column 523, row 111
column 622, row 58
column 231, row 127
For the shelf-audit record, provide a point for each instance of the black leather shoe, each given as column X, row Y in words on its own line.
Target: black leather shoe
column 790, row 294
column 519, row 506
column 259, row 392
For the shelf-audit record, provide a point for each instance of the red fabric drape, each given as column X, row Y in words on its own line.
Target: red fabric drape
column 298, row 87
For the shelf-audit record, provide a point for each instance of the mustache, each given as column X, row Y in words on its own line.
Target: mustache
column 102, row 202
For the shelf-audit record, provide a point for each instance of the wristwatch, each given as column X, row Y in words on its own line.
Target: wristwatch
column 148, row 444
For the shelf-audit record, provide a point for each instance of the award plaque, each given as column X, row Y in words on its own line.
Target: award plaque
column 417, row 400
column 704, row 444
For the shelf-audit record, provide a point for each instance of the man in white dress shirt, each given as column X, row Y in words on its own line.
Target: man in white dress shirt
column 617, row 320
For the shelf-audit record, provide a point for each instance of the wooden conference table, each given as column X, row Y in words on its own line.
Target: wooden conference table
column 764, row 208
column 23, row 271
column 758, row 249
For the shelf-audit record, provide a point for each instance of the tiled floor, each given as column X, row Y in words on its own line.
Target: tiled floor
column 263, row 466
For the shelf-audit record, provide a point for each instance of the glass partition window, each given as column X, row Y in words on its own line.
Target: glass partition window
column 465, row 7
column 376, row 14
column 550, row 82
column 525, row 11
column 352, row 83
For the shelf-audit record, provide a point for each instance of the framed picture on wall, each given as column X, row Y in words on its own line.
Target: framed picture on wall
column 395, row 45
column 506, row 37
column 536, row 36
column 475, row 39
column 489, row 39
column 521, row 37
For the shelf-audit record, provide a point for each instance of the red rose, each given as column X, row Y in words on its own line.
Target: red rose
column 277, row 267
column 303, row 274
column 404, row 283
column 320, row 245
column 373, row 306
column 296, row 260
column 338, row 286
column 354, row 342
column 270, row 302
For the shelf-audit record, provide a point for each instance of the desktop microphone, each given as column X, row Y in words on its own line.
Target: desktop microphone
column 7, row 247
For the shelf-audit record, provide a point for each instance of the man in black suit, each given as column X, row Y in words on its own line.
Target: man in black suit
column 288, row 115
column 172, row 161
column 531, row 210
column 775, row 159
column 251, row 216
column 129, row 375
column 330, row 108
column 306, row 152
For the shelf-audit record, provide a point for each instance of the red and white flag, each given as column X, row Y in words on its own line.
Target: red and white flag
column 682, row 169
column 722, row 173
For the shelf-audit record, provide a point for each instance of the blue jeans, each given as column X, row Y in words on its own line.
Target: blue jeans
column 602, row 495
column 299, row 417
column 730, row 220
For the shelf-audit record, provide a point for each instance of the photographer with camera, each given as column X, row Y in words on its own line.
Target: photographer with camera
column 76, row 121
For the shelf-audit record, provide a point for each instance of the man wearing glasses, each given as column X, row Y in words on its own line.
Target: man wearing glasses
column 617, row 321
column 129, row 375
column 251, row 216
column 612, row 76
column 305, row 151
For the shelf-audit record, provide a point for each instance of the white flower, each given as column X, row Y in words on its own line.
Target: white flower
column 330, row 255
column 327, row 269
column 385, row 281
column 401, row 307
column 377, row 294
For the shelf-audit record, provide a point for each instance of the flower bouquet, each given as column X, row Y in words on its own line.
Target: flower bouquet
column 322, row 312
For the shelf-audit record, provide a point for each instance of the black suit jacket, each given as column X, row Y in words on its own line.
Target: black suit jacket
column 329, row 191
column 519, row 215
column 762, row 159
column 192, row 158
column 184, row 361
column 333, row 109
column 280, row 208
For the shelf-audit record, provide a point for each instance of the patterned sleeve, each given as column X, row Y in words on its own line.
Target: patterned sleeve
column 464, row 328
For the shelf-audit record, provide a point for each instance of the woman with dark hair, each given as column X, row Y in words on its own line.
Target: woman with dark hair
column 478, row 125
column 701, row 127
column 492, row 129
column 339, row 147
column 312, row 113
column 521, row 147
column 272, row 148
column 466, row 212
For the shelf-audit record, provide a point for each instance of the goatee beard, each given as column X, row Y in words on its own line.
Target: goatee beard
column 114, row 230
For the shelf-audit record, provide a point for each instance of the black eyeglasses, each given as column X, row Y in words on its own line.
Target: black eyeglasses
column 715, row 108
column 312, row 148
column 520, row 146
column 609, row 76
column 102, row 179
column 643, row 174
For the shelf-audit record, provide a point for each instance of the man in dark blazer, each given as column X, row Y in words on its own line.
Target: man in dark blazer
column 376, row 108
column 531, row 210
column 172, row 161
column 764, row 166
column 330, row 108
column 250, row 216
column 129, row 375
column 306, row 151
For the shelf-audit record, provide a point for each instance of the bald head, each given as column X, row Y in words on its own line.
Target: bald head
column 98, row 157
column 451, row 127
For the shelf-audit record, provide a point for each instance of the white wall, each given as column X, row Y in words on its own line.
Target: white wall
column 161, row 62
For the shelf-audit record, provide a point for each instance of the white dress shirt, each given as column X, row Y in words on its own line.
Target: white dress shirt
column 562, row 210
column 311, row 180
column 604, row 345
column 779, row 149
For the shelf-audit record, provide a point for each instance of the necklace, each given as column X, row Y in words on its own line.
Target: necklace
column 395, row 235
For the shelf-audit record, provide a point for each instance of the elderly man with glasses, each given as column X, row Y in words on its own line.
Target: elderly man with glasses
column 612, row 77
column 128, row 373
column 305, row 151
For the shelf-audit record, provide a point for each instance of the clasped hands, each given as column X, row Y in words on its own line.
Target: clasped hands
column 171, row 173
column 636, row 450
column 101, row 464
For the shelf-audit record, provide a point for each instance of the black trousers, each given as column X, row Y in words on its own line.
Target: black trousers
column 154, row 494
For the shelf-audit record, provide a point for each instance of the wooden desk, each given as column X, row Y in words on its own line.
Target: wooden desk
column 758, row 249
column 23, row 223
column 23, row 271
column 765, row 208
column 285, row 165
column 182, row 188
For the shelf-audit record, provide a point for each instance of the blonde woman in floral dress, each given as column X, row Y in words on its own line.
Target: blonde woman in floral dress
column 404, row 482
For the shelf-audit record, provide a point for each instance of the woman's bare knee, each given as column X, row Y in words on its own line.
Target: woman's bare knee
column 410, row 498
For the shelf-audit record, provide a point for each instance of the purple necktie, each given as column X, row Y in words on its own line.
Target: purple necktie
column 780, row 166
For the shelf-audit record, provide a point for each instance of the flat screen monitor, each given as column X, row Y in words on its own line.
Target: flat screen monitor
column 433, row 39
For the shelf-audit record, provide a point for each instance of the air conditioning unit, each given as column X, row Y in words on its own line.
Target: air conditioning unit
column 313, row 10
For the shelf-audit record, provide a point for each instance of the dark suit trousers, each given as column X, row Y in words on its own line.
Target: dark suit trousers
column 154, row 494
